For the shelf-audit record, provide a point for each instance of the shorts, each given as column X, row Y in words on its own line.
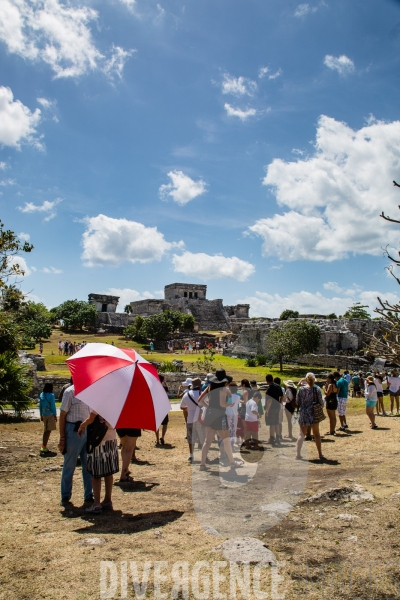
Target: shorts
column 331, row 405
column 356, row 388
column 129, row 432
column 165, row 421
column 370, row 403
column 49, row 422
column 342, row 403
column 395, row 394
column 252, row 426
column 379, row 394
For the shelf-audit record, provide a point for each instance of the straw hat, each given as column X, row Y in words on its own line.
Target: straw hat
column 289, row 383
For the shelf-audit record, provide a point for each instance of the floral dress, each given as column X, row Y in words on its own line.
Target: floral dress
column 306, row 398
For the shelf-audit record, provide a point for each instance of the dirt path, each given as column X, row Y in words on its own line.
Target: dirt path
column 45, row 553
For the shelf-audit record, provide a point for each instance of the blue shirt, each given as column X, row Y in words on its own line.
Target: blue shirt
column 343, row 388
column 47, row 405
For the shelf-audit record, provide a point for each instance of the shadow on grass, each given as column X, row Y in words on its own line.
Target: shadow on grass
column 125, row 523
column 135, row 486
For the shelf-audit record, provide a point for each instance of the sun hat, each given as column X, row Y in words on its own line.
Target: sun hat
column 208, row 376
column 370, row 379
column 188, row 382
column 290, row 383
column 219, row 377
column 196, row 383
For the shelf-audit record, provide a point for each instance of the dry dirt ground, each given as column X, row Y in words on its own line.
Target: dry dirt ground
column 46, row 552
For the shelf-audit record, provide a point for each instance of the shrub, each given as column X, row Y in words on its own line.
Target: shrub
column 14, row 384
column 167, row 366
column 261, row 360
column 251, row 362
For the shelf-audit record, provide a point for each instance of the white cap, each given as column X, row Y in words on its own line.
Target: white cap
column 188, row 382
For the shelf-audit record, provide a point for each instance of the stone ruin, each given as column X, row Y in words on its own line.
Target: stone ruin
column 337, row 336
column 187, row 298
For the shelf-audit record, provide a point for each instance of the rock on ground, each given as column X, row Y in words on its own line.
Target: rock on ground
column 353, row 493
column 247, row 551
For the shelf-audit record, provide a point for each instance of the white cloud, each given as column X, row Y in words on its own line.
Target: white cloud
column 272, row 305
column 335, row 196
column 6, row 182
column 47, row 104
column 110, row 242
column 17, row 123
column 55, row 33
column 342, row 64
column 243, row 115
column 130, row 4
column 19, row 260
column 46, row 207
column 263, row 71
column 3, row 166
column 303, row 9
column 51, row 270
column 182, row 188
column 115, row 64
column 238, row 86
column 208, row 267
column 25, row 237
column 126, row 296
column 275, row 75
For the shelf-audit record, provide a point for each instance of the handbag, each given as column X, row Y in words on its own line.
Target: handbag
column 95, row 434
column 319, row 414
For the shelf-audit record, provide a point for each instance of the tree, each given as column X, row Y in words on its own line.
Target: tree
column 331, row 316
column 187, row 322
column 289, row 314
column 35, row 321
column 128, row 309
column 10, row 334
column 77, row 314
column 157, row 327
column 357, row 311
column 134, row 331
column 10, row 248
column 292, row 339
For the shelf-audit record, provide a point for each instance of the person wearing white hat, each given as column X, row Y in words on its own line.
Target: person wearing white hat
column 185, row 385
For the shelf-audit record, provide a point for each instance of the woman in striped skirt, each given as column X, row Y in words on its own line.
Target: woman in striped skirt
column 102, row 462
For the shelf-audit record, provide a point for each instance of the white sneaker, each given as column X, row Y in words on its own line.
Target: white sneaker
column 190, row 459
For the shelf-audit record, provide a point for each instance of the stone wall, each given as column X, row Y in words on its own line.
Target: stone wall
column 336, row 335
column 38, row 360
column 174, row 291
column 102, row 300
column 145, row 308
column 334, row 361
column 58, row 383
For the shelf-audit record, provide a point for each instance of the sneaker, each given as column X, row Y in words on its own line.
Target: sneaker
column 94, row 509
column 190, row 458
column 346, row 426
column 44, row 451
column 65, row 502
column 89, row 500
column 342, row 428
column 162, row 441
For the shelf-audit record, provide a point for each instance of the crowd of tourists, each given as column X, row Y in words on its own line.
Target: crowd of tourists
column 67, row 348
column 216, row 409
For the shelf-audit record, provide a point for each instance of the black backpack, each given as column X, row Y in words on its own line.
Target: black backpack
column 95, row 434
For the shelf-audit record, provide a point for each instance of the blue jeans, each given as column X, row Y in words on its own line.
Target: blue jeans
column 76, row 446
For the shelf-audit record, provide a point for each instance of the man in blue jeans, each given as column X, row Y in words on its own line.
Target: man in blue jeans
column 72, row 413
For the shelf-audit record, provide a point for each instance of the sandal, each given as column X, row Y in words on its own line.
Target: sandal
column 126, row 479
column 107, row 506
column 374, row 426
column 95, row 509
column 203, row 468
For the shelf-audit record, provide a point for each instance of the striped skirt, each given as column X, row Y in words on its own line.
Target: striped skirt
column 103, row 461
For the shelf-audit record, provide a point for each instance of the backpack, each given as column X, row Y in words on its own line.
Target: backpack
column 95, row 434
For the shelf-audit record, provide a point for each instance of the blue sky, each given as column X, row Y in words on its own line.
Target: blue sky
column 247, row 145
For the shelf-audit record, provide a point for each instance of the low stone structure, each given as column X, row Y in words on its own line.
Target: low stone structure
column 104, row 303
column 346, row 335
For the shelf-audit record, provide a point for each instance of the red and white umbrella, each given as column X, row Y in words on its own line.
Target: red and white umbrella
column 120, row 385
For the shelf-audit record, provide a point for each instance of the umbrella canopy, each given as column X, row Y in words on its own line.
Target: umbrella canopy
column 120, row 385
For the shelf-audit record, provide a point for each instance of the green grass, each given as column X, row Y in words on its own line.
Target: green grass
column 236, row 367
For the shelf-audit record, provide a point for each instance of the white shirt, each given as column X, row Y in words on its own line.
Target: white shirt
column 378, row 384
column 250, row 406
column 370, row 393
column 192, row 409
column 232, row 409
column 394, row 383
